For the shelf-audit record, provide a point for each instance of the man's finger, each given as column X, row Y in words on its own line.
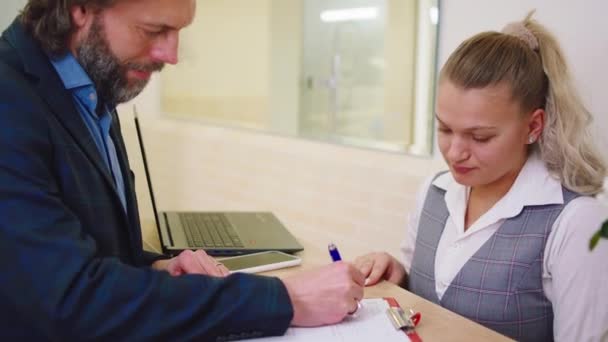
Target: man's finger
column 208, row 263
column 190, row 264
column 223, row 270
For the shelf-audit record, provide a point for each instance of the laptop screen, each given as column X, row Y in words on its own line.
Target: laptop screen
column 146, row 170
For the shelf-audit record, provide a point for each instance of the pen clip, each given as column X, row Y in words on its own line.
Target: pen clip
column 402, row 321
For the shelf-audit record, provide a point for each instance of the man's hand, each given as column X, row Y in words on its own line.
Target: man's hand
column 189, row 262
column 378, row 266
column 326, row 295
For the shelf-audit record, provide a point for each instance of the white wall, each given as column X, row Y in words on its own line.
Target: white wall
column 8, row 11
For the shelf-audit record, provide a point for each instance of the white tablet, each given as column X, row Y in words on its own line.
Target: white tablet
column 260, row 262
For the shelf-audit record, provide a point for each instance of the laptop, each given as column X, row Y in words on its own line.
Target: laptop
column 218, row 233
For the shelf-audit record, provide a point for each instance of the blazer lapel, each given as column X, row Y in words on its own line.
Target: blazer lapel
column 132, row 210
column 52, row 91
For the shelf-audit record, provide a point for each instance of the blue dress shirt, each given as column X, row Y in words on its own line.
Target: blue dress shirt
column 76, row 80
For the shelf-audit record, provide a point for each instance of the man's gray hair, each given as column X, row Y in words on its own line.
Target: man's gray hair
column 50, row 21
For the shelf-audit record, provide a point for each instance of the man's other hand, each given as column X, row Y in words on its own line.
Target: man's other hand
column 189, row 262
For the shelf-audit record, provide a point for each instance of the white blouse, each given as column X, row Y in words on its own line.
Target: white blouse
column 575, row 280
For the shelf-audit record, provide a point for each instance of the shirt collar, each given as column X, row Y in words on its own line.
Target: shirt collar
column 71, row 72
column 533, row 186
column 76, row 80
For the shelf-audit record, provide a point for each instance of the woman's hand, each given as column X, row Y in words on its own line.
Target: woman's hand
column 380, row 265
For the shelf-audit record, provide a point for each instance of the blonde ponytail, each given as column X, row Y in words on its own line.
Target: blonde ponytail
column 566, row 144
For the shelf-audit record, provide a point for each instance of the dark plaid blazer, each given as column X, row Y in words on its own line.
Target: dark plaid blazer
column 72, row 263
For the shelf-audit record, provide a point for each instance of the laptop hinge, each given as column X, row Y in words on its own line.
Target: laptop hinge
column 168, row 229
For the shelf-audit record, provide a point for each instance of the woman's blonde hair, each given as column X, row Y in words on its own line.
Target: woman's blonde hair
column 528, row 58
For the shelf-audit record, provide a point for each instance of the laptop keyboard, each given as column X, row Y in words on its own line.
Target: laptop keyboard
column 209, row 230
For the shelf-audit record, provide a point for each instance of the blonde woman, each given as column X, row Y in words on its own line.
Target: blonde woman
column 502, row 238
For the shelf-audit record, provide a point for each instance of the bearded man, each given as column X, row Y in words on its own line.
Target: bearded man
column 73, row 266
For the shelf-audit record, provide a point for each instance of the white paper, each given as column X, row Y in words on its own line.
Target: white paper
column 370, row 323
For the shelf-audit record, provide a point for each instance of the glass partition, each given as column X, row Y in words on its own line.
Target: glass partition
column 356, row 72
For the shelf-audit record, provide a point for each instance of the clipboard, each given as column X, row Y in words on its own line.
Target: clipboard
column 371, row 322
column 402, row 320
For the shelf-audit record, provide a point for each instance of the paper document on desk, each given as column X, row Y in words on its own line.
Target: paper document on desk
column 370, row 323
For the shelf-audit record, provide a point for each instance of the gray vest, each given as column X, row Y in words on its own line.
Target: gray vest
column 500, row 286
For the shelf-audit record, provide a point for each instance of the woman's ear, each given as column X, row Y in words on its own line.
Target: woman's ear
column 536, row 124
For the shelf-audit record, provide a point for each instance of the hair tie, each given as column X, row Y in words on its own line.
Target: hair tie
column 519, row 30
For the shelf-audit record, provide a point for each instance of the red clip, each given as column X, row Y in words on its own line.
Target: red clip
column 415, row 317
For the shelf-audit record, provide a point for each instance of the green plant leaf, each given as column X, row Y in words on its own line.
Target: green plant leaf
column 604, row 229
column 601, row 233
column 594, row 240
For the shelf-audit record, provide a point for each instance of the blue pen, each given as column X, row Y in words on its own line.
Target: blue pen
column 335, row 256
column 333, row 252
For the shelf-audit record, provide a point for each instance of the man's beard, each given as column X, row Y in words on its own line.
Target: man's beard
column 106, row 71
